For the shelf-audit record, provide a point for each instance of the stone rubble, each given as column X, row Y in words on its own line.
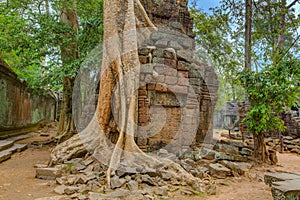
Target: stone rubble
column 86, row 178
column 286, row 144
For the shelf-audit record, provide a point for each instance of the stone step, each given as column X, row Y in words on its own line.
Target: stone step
column 270, row 179
column 5, row 144
column 286, row 190
column 47, row 173
column 19, row 137
column 17, row 148
column 6, row 154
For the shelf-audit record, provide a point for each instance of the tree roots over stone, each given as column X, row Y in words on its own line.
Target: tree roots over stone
column 117, row 85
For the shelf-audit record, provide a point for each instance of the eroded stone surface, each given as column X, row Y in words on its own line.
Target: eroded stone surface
column 276, row 177
column 47, row 173
column 219, row 171
column 286, row 190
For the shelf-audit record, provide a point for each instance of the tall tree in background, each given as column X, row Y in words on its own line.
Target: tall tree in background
column 59, row 34
column 271, row 89
column 69, row 53
column 248, row 33
column 271, row 48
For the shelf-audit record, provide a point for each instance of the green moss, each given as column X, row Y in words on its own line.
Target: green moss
column 4, row 105
column 36, row 116
column 69, row 167
column 199, row 194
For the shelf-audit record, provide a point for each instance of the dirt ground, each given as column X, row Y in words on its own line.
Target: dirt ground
column 17, row 181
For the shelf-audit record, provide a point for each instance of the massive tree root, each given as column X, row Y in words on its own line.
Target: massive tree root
column 119, row 79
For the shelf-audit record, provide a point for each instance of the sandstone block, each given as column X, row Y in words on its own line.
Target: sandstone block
column 47, row 173
column 228, row 149
column 171, row 80
column 219, row 171
column 230, row 157
column 286, row 190
column 277, row 177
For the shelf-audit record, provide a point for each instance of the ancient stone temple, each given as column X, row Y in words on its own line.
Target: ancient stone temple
column 21, row 108
column 177, row 94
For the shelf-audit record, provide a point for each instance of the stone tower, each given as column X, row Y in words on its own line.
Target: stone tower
column 177, row 94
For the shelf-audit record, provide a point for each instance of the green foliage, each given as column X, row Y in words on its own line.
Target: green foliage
column 271, row 88
column 214, row 43
column 270, row 91
column 216, row 48
column 199, row 194
column 31, row 35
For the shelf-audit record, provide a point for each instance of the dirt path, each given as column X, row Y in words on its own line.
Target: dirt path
column 253, row 188
column 17, row 180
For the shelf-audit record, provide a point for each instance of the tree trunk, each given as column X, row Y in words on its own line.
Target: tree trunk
column 259, row 148
column 248, row 26
column 69, row 53
column 117, row 99
column 66, row 127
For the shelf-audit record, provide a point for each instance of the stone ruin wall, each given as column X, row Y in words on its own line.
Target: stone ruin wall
column 166, row 111
column 243, row 110
column 292, row 123
column 169, row 74
column 20, row 107
column 290, row 119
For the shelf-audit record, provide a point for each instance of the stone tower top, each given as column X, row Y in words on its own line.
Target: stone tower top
column 172, row 13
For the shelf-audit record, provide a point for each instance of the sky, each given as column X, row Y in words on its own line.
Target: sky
column 206, row 4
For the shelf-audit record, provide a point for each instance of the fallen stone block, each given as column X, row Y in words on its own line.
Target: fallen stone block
column 38, row 165
column 52, row 198
column 83, row 179
column 246, row 152
column 148, row 180
column 60, row 189
column 47, row 173
column 230, row 157
column 117, row 182
column 286, row 190
column 238, row 167
column 277, row 177
column 119, row 193
column 71, row 190
column 208, row 153
column 233, row 143
column 219, row 171
column 228, row 149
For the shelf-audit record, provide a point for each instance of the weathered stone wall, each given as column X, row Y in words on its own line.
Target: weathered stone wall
column 173, row 81
column 20, row 106
column 177, row 94
column 290, row 119
column 243, row 110
column 292, row 123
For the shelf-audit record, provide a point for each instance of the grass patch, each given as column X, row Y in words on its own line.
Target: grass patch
column 199, row 194
column 69, row 167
